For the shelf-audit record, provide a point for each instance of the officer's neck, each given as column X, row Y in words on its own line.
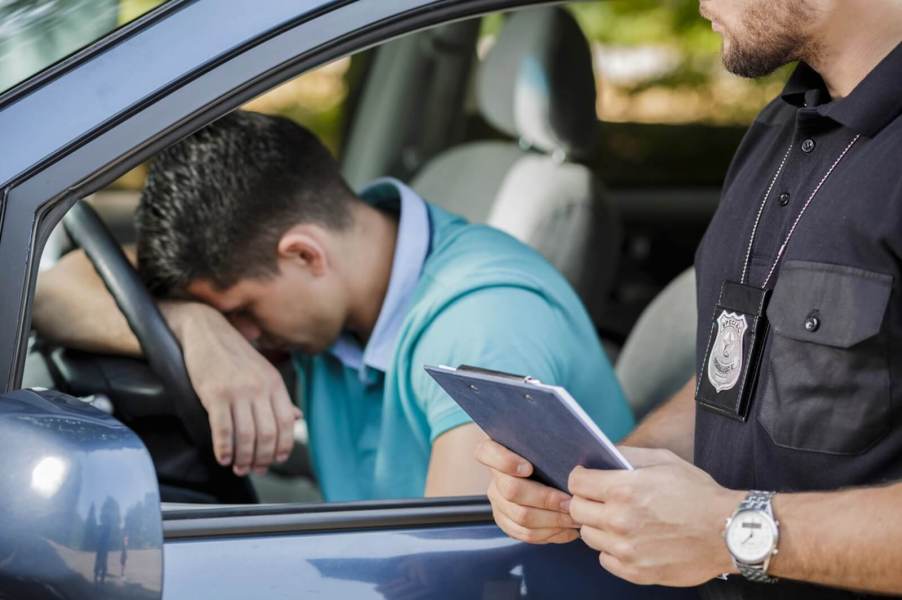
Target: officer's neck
column 853, row 40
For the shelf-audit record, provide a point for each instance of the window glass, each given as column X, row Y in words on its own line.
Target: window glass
column 35, row 34
column 316, row 100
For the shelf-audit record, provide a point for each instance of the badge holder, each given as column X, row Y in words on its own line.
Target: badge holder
column 733, row 352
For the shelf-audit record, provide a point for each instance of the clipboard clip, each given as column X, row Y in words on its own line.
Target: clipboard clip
column 501, row 374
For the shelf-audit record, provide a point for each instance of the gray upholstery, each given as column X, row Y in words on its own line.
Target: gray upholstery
column 537, row 82
column 556, row 206
column 557, row 209
column 659, row 355
column 466, row 179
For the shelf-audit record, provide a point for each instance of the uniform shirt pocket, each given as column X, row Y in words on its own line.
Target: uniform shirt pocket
column 828, row 385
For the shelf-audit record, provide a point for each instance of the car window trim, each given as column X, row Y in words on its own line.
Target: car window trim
column 254, row 520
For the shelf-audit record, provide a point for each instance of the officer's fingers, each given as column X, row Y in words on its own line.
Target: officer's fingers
column 285, row 414
column 497, row 457
column 528, row 516
column 265, row 436
column 597, row 484
column 588, row 512
column 529, row 535
column 565, row 536
column 531, row 493
column 243, row 421
column 598, row 539
column 221, row 429
column 619, row 568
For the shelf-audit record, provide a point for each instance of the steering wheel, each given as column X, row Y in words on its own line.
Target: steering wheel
column 184, row 459
column 160, row 348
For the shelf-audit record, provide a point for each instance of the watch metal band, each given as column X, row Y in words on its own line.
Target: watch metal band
column 760, row 501
column 757, row 500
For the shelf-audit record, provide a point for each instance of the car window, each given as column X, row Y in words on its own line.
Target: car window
column 35, row 34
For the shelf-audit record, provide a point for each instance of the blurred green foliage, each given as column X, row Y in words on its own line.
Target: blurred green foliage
column 639, row 22
column 678, row 26
column 694, row 86
column 130, row 10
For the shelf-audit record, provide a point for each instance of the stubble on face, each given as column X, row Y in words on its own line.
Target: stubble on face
column 771, row 33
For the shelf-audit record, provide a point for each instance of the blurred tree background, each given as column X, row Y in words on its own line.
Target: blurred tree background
column 657, row 61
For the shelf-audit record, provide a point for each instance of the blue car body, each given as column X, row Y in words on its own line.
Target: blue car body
column 79, row 500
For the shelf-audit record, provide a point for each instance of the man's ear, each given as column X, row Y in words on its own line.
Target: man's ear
column 302, row 246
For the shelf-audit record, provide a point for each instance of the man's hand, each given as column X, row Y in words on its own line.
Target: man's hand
column 659, row 524
column 251, row 414
column 525, row 510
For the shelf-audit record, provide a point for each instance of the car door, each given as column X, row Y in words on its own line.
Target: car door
column 80, row 124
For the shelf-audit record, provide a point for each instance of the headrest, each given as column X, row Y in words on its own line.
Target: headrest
column 537, row 82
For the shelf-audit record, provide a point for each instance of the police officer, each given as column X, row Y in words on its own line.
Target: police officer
column 794, row 417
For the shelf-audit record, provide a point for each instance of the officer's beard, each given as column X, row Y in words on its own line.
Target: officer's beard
column 773, row 34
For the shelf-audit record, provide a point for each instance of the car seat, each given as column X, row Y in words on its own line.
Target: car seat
column 537, row 86
column 658, row 357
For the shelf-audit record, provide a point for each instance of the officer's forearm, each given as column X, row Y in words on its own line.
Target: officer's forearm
column 671, row 426
column 850, row 539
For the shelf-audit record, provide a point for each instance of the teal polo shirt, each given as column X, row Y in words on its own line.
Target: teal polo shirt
column 458, row 294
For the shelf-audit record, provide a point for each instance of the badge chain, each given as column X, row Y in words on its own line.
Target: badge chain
column 748, row 254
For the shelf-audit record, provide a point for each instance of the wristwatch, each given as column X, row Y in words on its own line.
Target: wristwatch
column 751, row 535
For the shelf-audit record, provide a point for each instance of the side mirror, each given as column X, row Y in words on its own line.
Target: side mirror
column 79, row 503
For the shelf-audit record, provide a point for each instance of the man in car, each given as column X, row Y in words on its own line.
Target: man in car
column 807, row 411
column 259, row 245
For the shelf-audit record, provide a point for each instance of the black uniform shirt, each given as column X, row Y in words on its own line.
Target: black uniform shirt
column 827, row 409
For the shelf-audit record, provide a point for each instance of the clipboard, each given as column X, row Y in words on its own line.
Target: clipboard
column 542, row 423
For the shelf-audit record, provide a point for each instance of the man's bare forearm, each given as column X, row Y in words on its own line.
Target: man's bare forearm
column 453, row 469
column 670, row 426
column 73, row 308
column 848, row 539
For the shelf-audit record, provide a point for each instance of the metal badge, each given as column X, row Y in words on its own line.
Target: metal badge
column 728, row 373
column 725, row 362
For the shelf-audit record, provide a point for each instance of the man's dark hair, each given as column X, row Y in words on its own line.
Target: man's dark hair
column 216, row 204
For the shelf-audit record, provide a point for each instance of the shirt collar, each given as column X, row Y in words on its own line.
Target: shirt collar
column 870, row 107
column 411, row 249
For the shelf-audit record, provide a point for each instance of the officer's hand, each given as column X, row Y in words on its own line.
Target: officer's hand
column 659, row 524
column 251, row 414
column 525, row 510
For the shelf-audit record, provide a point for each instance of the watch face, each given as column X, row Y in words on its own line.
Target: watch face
column 751, row 536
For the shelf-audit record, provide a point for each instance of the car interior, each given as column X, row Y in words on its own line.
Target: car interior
column 495, row 119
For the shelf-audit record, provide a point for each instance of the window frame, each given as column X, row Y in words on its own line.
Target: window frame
column 67, row 61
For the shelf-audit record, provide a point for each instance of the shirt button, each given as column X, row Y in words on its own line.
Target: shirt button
column 784, row 198
column 808, row 145
column 812, row 323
